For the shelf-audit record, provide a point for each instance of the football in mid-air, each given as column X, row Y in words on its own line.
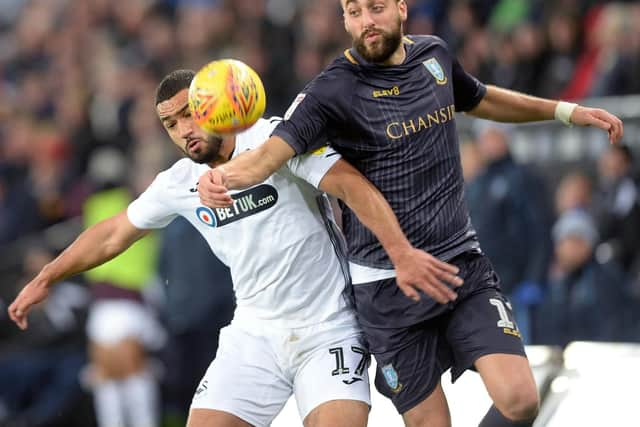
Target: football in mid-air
column 226, row 96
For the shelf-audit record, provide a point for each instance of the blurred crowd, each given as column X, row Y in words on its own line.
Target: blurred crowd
column 567, row 251
column 77, row 80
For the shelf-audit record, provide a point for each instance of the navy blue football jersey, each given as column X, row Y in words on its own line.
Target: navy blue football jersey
column 396, row 125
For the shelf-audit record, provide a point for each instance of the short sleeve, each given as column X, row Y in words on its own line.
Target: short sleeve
column 312, row 167
column 150, row 210
column 467, row 90
column 324, row 104
column 304, row 124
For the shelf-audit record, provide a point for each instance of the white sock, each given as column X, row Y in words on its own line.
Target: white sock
column 140, row 394
column 108, row 404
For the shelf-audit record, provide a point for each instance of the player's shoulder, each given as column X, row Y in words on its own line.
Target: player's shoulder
column 336, row 78
column 257, row 134
column 181, row 171
column 425, row 41
column 343, row 64
column 425, row 47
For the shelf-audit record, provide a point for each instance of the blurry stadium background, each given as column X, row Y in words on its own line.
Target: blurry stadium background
column 77, row 81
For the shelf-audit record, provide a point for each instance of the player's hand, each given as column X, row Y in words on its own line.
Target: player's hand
column 33, row 293
column 601, row 119
column 212, row 189
column 417, row 270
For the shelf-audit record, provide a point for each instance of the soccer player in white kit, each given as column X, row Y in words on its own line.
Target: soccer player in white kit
column 294, row 331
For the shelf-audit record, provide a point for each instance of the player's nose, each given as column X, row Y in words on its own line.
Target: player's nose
column 185, row 128
column 367, row 20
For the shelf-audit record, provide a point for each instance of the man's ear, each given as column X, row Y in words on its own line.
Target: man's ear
column 402, row 7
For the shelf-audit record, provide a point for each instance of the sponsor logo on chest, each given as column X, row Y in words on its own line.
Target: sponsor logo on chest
column 440, row 116
column 245, row 204
column 394, row 91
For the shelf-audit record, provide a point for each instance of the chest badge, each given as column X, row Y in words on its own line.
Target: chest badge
column 436, row 70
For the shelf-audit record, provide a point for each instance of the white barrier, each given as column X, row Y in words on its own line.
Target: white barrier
column 596, row 387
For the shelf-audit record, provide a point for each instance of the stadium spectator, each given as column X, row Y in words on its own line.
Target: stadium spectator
column 510, row 212
column 617, row 207
column 575, row 191
column 40, row 371
column 585, row 300
column 121, row 328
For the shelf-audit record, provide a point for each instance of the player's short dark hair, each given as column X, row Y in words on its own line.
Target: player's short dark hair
column 173, row 83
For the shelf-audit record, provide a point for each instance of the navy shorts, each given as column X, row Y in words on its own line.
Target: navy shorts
column 412, row 358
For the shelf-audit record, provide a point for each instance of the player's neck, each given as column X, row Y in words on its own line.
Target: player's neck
column 226, row 151
column 397, row 57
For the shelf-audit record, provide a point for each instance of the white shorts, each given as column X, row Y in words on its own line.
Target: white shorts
column 111, row 321
column 258, row 367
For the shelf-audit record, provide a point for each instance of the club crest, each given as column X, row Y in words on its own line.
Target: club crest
column 391, row 377
column 436, row 70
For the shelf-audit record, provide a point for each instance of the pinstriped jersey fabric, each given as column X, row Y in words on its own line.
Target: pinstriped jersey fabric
column 396, row 124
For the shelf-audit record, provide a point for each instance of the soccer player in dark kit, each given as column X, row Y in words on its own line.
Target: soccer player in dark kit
column 387, row 106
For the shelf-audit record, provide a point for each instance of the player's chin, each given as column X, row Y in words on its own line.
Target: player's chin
column 372, row 46
column 197, row 157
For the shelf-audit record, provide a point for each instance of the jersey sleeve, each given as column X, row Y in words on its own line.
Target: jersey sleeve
column 318, row 107
column 150, row 209
column 303, row 127
column 312, row 167
column 467, row 90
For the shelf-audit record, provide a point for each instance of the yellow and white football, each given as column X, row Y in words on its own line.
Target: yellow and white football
column 226, row 96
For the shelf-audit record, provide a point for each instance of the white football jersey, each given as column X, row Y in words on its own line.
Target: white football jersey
column 275, row 238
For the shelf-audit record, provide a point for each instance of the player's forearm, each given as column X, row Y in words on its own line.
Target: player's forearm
column 249, row 168
column 95, row 246
column 369, row 205
column 504, row 105
column 254, row 166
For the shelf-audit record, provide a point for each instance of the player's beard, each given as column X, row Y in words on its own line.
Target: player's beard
column 382, row 49
column 208, row 152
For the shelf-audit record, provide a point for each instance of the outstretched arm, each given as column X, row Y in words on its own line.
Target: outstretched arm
column 95, row 246
column 415, row 268
column 504, row 105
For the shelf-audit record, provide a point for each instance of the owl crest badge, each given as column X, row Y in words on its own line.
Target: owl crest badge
column 436, row 70
column 391, row 377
